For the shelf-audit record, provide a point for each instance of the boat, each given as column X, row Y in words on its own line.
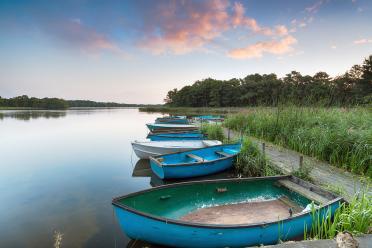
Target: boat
column 175, row 127
column 209, row 118
column 193, row 135
column 171, row 120
column 145, row 149
column 197, row 162
column 236, row 212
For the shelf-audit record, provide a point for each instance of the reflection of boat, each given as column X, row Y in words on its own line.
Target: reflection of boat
column 197, row 162
column 178, row 127
column 224, row 213
column 171, row 120
column 146, row 149
column 142, row 169
column 193, row 135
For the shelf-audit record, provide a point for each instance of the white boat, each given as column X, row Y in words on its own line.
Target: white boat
column 146, row 149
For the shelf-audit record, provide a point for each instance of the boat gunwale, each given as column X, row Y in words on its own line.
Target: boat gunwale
column 116, row 203
column 158, row 163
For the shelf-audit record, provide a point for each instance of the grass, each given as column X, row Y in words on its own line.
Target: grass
column 354, row 217
column 213, row 131
column 251, row 162
column 342, row 137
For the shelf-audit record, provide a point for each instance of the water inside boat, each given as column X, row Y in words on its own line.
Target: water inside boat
column 224, row 202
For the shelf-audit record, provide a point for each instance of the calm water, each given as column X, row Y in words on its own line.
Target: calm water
column 60, row 170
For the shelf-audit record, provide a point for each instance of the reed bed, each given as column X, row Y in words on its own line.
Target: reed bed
column 354, row 217
column 213, row 131
column 340, row 136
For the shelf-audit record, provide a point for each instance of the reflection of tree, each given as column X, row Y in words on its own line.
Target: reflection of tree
column 28, row 115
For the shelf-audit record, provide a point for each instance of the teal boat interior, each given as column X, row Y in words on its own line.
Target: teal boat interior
column 200, row 155
column 228, row 202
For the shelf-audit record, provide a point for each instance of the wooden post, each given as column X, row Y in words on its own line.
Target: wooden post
column 301, row 162
column 228, row 134
column 263, row 148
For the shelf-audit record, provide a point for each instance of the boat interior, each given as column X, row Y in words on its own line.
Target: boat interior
column 231, row 203
column 203, row 155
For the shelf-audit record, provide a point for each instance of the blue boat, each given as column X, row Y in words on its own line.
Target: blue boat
column 209, row 117
column 193, row 135
column 170, row 127
column 225, row 212
column 171, row 120
column 196, row 162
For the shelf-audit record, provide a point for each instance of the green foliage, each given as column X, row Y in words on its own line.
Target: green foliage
column 213, row 131
column 33, row 102
column 354, row 87
column 303, row 173
column 354, row 217
column 251, row 162
column 343, row 137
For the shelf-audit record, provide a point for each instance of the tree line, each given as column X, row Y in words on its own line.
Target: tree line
column 353, row 87
column 56, row 103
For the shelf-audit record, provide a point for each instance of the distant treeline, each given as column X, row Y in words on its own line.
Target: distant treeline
column 353, row 87
column 56, row 103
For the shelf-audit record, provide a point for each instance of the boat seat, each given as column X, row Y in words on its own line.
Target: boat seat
column 223, row 153
column 303, row 191
column 197, row 158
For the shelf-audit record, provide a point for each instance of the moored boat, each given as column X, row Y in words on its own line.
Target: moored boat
column 225, row 212
column 193, row 135
column 146, row 149
column 164, row 126
column 197, row 162
column 171, row 120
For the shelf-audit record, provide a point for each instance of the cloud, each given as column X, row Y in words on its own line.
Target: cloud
column 333, row 47
column 362, row 41
column 315, row 7
column 257, row 50
column 184, row 26
column 180, row 27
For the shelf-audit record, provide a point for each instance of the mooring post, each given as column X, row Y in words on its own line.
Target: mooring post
column 228, row 134
column 263, row 148
column 301, row 162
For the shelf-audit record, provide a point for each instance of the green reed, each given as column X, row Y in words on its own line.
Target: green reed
column 343, row 137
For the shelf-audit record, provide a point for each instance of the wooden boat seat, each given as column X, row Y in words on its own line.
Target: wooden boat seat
column 222, row 153
column 197, row 158
column 303, row 191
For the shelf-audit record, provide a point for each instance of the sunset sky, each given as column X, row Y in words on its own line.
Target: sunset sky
column 135, row 51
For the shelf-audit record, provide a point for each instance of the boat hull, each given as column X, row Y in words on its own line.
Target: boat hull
column 171, row 121
column 194, row 170
column 163, row 126
column 146, row 150
column 175, row 136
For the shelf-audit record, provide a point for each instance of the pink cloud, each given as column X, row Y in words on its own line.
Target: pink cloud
column 257, row 50
column 183, row 26
column 362, row 41
column 315, row 7
column 75, row 34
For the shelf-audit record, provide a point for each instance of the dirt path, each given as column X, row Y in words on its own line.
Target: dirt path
column 321, row 173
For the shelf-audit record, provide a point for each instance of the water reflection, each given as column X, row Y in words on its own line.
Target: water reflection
column 27, row 115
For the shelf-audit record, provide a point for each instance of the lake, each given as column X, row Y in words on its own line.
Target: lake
column 60, row 171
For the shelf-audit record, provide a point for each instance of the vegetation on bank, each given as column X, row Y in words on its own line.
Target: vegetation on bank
column 353, row 87
column 26, row 102
column 354, row 217
column 340, row 136
column 187, row 110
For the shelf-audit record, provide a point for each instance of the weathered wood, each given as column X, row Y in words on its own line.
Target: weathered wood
column 301, row 161
column 197, row 158
column 295, row 207
column 263, row 148
column 303, row 191
column 223, row 153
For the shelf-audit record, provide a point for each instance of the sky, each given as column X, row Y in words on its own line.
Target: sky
column 136, row 51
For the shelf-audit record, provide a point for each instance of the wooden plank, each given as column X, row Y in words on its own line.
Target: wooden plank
column 197, row 158
column 223, row 153
column 295, row 207
column 303, row 191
